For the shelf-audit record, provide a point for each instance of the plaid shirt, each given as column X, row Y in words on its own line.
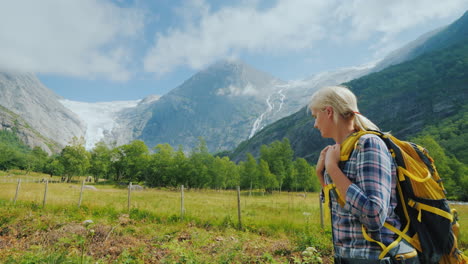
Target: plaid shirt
column 370, row 201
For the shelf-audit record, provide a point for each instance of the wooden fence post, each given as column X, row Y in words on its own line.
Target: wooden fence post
column 45, row 193
column 129, row 196
column 182, row 208
column 17, row 191
column 239, row 207
column 81, row 194
column 321, row 211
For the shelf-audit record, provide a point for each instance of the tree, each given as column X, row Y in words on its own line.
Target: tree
column 161, row 167
column 117, row 157
column 14, row 153
column 219, row 172
column 233, row 177
column 448, row 167
column 306, row 178
column 100, row 161
column 130, row 161
column 460, row 190
column 267, row 180
column 249, row 173
column 199, row 162
column 279, row 156
column 464, row 186
column 180, row 168
column 11, row 158
column 74, row 158
column 53, row 166
column 37, row 159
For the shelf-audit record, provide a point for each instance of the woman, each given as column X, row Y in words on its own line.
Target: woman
column 366, row 182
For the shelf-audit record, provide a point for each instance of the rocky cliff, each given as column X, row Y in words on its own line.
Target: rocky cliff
column 39, row 108
column 12, row 122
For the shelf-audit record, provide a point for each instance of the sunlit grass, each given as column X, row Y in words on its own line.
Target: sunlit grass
column 279, row 211
column 281, row 222
column 288, row 214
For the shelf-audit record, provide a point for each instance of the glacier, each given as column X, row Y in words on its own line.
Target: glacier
column 100, row 117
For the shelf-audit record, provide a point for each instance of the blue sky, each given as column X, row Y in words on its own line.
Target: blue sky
column 107, row 50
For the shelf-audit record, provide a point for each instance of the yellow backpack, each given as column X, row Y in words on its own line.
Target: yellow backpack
column 428, row 223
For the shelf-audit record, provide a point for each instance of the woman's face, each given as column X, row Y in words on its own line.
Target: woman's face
column 323, row 122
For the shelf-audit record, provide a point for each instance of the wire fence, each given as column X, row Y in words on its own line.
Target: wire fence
column 238, row 207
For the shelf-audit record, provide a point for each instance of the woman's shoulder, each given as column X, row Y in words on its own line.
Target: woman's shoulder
column 370, row 140
column 372, row 145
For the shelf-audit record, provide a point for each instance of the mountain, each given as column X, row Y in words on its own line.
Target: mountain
column 226, row 103
column 131, row 121
column 435, row 40
column 298, row 93
column 40, row 111
column 220, row 104
column 404, row 98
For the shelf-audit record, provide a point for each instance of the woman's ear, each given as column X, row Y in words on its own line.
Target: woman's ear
column 329, row 111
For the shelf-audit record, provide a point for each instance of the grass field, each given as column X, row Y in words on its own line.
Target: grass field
column 275, row 228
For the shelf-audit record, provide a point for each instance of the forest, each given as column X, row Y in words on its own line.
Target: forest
column 164, row 166
column 276, row 168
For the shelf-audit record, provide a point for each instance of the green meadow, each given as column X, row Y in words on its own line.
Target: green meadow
column 154, row 228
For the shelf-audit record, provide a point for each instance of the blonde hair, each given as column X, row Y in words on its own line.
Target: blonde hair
column 344, row 104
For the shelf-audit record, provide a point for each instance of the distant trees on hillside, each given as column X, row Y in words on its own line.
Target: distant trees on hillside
column 274, row 169
column 447, row 143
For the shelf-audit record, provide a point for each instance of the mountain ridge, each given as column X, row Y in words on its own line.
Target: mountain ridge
column 402, row 98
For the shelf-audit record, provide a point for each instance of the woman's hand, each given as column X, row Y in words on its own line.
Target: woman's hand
column 320, row 168
column 332, row 157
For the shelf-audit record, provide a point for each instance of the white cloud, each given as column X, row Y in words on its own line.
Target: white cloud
column 389, row 18
column 236, row 29
column 231, row 90
column 289, row 25
column 80, row 38
column 97, row 38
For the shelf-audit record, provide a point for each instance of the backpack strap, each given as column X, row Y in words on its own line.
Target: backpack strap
column 402, row 172
column 326, row 193
column 347, row 148
column 385, row 249
column 402, row 234
column 432, row 209
column 332, row 188
column 349, row 144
